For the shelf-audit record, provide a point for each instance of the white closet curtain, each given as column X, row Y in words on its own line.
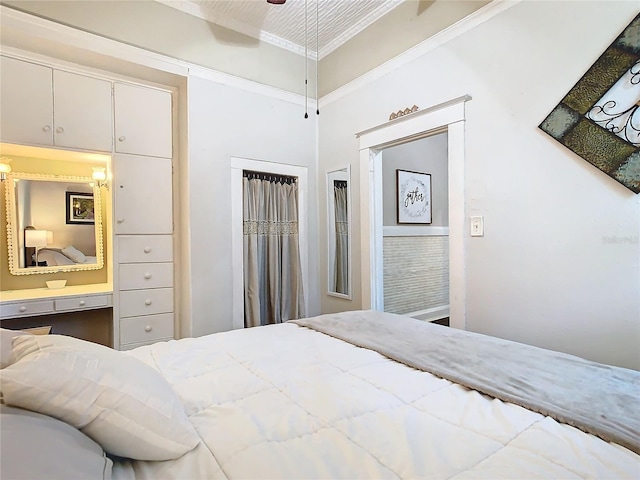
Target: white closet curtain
column 273, row 290
column 342, row 237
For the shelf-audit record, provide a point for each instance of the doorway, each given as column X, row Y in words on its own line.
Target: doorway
column 415, row 228
column 446, row 117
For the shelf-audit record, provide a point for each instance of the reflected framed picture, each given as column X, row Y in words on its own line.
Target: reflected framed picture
column 79, row 208
column 413, row 197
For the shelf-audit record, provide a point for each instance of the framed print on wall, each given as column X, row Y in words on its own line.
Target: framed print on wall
column 79, row 208
column 414, row 197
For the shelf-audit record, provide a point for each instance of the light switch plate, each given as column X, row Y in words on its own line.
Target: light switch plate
column 477, row 226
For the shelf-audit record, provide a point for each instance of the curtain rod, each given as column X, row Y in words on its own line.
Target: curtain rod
column 269, row 177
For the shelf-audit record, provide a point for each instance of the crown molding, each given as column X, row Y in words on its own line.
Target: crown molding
column 226, row 21
column 359, row 27
column 464, row 25
column 249, row 85
column 191, row 8
column 44, row 30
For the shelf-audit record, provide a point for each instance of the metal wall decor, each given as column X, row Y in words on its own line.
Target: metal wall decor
column 401, row 113
column 599, row 119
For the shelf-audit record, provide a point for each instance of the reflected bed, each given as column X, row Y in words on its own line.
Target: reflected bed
column 57, row 257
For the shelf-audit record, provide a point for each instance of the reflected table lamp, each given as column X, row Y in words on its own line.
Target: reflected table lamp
column 37, row 239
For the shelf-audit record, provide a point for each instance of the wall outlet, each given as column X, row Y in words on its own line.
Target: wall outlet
column 477, row 226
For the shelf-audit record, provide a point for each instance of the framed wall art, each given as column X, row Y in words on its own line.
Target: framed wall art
column 413, row 197
column 79, row 207
column 599, row 119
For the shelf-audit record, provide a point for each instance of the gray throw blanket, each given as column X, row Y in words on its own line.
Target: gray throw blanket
column 599, row 399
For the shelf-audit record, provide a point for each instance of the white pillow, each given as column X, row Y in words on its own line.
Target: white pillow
column 6, row 337
column 114, row 398
column 74, row 254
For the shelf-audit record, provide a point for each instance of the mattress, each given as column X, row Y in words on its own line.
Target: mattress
column 285, row 401
column 54, row 257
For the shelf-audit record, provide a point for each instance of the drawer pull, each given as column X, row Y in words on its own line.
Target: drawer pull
column 82, row 303
column 147, row 328
column 147, row 276
column 120, row 220
column 147, row 302
column 122, row 139
column 23, row 309
column 46, row 128
column 147, row 249
column 59, row 130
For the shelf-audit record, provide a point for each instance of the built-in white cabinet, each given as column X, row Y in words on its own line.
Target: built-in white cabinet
column 43, row 105
column 142, row 121
column 143, row 202
column 26, row 102
column 143, row 199
column 82, row 113
column 40, row 105
column 145, row 284
column 42, row 301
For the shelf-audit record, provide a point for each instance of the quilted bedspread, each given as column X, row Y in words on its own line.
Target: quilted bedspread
column 284, row 401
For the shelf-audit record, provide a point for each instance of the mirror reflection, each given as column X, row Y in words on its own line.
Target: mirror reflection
column 54, row 224
column 339, row 231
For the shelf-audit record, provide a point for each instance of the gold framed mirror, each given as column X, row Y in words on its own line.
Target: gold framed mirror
column 54, row 224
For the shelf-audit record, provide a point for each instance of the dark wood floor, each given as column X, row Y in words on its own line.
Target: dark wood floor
column 442, row 321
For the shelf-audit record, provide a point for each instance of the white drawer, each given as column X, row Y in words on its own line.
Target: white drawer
column 146, row 302
column 79, row 303
column 145, row 329
column 26, row 309
column 134, row 276
column 145, row 248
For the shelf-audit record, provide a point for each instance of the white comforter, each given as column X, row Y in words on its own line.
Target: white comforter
column 287, row 402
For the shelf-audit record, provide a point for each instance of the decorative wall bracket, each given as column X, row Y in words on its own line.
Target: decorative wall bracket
column 401, row 113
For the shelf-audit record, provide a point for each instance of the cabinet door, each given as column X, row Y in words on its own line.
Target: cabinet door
column 26, row 102
column 82, row 116
column 143, row 199
column 142, row 121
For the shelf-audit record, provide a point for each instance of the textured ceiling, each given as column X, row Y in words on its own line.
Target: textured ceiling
column 284, row 25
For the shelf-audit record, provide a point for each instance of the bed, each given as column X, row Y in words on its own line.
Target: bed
column 64, row 256
column 346, row 395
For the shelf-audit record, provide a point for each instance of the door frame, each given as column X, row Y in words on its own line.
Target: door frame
column 450, row 117
column 237, row 243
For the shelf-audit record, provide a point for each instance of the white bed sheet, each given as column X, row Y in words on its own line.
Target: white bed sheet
column 284, row 401
column 54, row 258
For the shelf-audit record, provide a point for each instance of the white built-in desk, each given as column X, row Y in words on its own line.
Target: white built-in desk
column 45, row 301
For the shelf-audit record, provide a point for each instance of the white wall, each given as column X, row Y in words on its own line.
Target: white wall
column 419, row 20
column 225, row 122
column 546, row 271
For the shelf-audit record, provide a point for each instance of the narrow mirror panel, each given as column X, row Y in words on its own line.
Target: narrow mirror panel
column 339, row 233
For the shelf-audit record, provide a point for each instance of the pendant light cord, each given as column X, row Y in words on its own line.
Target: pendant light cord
column 317, row 57
column 306, row 60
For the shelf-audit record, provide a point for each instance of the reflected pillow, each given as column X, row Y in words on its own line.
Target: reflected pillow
column 74, row 254
column 117, row 400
